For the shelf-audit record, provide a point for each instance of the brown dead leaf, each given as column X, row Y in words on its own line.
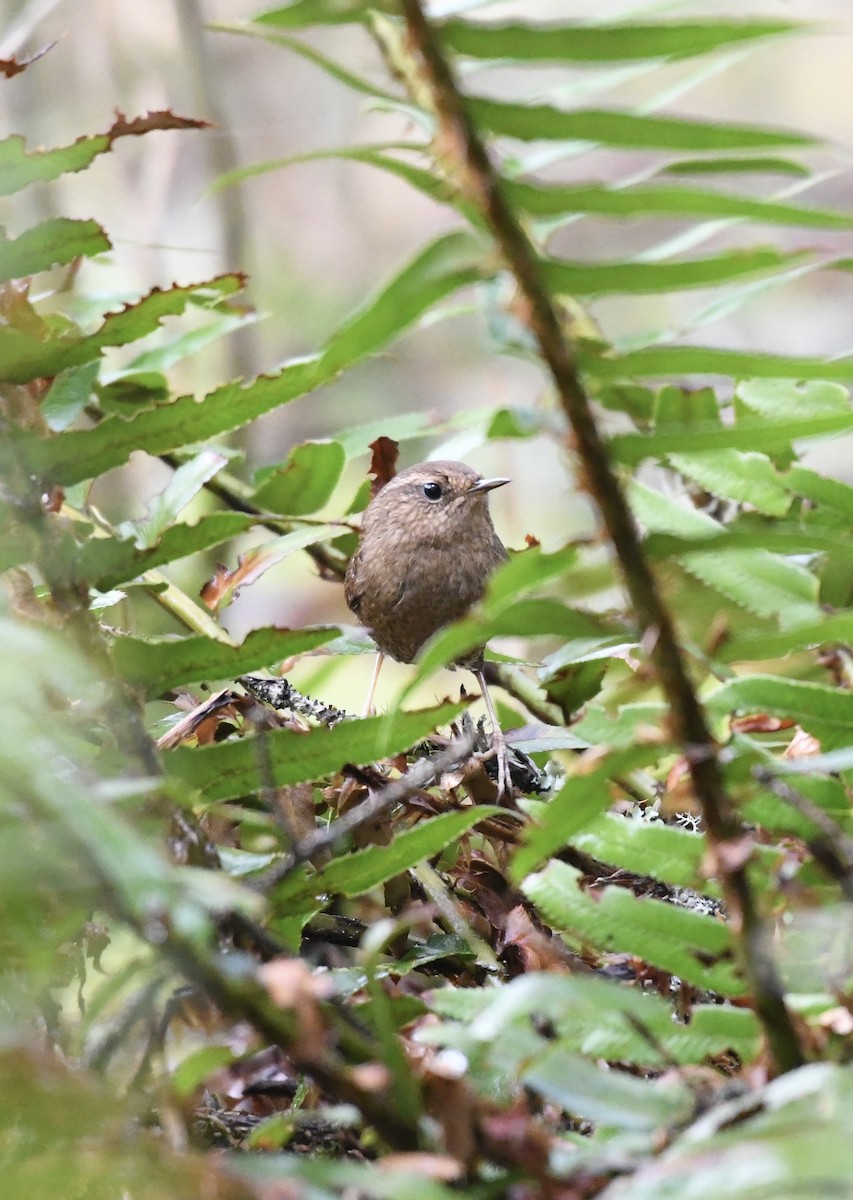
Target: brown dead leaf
column 718, row 634
column 449, row 1101
column 215, row 588
column 371, row 1077
column 759, row 723
column 160, row 119
column 295, row 807
column 54, row 498
column 536, row 951
column 588, row 761
column 219, row 591
column 679, row 785
column 514, row 1137
column 384, row 452
column 291, row 985
column 802, row 745
column 203, row 721
column 195, row 1010
column 224, row 586
column 727, row 857
column 433, row 1166
column 17, row 311
column 838, row 1020
column 14, row 66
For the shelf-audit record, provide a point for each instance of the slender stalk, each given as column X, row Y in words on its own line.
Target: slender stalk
column 460, row 146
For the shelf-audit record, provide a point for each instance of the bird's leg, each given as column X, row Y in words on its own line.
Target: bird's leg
column 348, row 785
column 368, row 709
column 499, row 745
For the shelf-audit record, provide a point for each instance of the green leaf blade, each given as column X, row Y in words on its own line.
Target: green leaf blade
column 695, row 947
column 232, row 769
column 159, row 664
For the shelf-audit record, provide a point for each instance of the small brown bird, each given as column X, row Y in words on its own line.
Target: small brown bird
column 426, row 551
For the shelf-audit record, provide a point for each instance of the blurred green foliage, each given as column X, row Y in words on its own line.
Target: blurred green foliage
column 543, row 1001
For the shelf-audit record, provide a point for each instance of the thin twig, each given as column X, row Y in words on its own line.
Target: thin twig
column 460, row 145
column 419, row 776
column 833, row 849
column 236, row 496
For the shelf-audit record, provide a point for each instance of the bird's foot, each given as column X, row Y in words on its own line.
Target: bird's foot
column 499, row 751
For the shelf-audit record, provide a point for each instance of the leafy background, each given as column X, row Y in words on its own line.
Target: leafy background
column 547, row 1002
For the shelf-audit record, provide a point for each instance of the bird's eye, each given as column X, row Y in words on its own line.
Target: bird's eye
column 433, row 491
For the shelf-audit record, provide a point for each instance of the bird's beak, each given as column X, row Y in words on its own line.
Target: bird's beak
column 486, row 485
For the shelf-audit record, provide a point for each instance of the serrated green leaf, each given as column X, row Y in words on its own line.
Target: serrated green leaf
column 744, row 476
column 526, row 618
column 181, row 347
column 443, row 266
column 105, row 562
column 450, row 262
column 609, row 1098
column 233, row 769
column 580, row 800
column 829, row 629
column 790, row 1139
column 664, row 852
column 24, row 357
column 593, row 1016
column 68, row 395
column 305, row 481
column 767, row 436
column 759, row 581
column 549, row 200
column 537, row 122
column 779, row 400
column 195, row 1068
column 668, row 361
column 829, row 493
column 782, row 820
column 600, row 726
column 695, row 947
column 53, row 243
column 185, row 484
column 785, row 537
column 360, row 872
column 606, row 43
column 78, row 455
column 18, row 168
column 159, row 664
column 764, row 165
column 639, row 278
column 762, row 583
column 258, row 560
column 304, row 13
column 808, row 704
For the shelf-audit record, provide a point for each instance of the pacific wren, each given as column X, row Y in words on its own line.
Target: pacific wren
column 426, row 551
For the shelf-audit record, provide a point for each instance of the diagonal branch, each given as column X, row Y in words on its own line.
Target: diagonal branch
column 464, row 153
